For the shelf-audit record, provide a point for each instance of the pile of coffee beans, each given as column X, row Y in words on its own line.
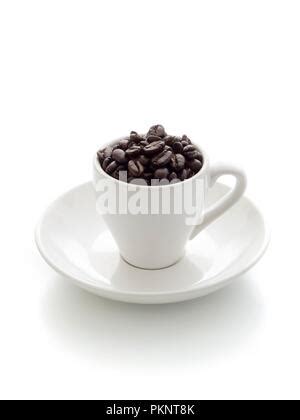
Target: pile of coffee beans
column 151, row 157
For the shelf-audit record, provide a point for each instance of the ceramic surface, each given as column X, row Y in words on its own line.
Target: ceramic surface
column 75, row 241
column 155, row 241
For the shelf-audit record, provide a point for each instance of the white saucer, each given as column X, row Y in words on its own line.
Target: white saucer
column 74, row 240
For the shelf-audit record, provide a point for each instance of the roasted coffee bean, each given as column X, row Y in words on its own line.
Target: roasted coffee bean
column 131, row 144
column 186, row 139
column 100, row 156
column 157, row 130
column 173, row 176
column 169, row 140
column 123, row 144
column 175, row 181
column 160, row 130
column 139, row 181
column 135, row 168
column 144, row 160
column 134, row 136
column 112, row 167
column 189, row 148
column 162, row 159
column 154, row 157
column 190, row 152
column 108, row 152
column 178, row 162
column 195, row 165
column 120, row 168
column 119, row 156
column 190, row 173
column 183, row 175
column 152, row 138
column 163, row 181
column 148, row 175
column 177, row 147
column 154, row 148
column 200, row 157
column 107, row 161
column 161, row 173
column 139, row 139
column 133, row 151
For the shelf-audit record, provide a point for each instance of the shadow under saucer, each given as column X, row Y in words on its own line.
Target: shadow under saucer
column 183, row 333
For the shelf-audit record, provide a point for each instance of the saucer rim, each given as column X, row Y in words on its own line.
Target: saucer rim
column 170, row 296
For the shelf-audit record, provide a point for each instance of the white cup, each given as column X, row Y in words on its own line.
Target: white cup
column 156, row 241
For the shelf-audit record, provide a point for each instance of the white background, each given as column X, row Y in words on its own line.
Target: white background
column 74, row 74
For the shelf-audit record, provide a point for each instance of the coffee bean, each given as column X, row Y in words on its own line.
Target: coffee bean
column 186, row 139
column 139, row 139
column 139, row 181
column 131, row 144
column 120, row 168
column 108, row 152
column 190, row 173
column 178, row 162
column 162, row 159
column 154, row 148
column 175, row 181
column 148, row 175
column 107, row 161
column 135, row 168
column 134, row 136
column 173, row 176
column 111, row 167
column 160, row 131
column 177, row 147
column 163, row 181
column 195, row 165
column 152, row 138
column 157, row 156
column 200, row 157
column 100, row 156
column 169, row 140
column 119, row 155
column 123, row 144
column 157, row 130
column 144, row 160
column 189, row 148
column 161, row 173
column 133, row 151
column 183, row 175
column 190, row 152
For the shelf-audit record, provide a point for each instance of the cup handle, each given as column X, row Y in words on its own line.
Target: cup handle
column 219, row 208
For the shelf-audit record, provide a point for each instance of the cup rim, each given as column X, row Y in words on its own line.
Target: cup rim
column 100, row 170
